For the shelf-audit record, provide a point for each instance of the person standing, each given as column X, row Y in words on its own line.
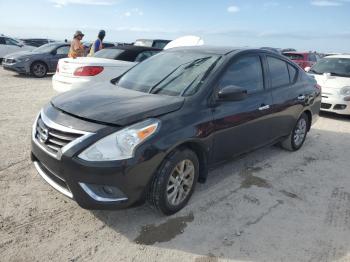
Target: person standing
column 76, row 47
column 97, row 45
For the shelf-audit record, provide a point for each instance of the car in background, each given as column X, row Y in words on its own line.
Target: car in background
column 156, row 43
column 36, row 41
column 152, row 133
column 303, row 59
column 105, row 65
column 38, row 62
column 332, row 73
column 10, row 45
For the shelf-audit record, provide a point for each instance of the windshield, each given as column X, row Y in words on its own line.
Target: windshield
column 170, row 73
column 45, row 48
column 334, row 66
column 108, row 53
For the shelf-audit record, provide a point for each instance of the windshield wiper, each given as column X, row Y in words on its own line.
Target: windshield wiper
column 190, row 64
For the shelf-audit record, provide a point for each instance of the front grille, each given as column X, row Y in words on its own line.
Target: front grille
column 326, row 105
column 52, row 139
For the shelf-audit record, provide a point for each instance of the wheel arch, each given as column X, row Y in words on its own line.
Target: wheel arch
column 199, row 149
column 309, row 116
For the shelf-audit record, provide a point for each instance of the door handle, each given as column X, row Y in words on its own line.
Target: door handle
column 301, row 97
column 264, row 107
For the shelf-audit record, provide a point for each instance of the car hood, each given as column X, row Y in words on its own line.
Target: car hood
column 22, row 54
column 110, row 104
column 333, row 82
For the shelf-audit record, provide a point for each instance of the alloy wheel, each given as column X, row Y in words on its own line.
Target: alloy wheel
column 180, row 182
column 300, row 132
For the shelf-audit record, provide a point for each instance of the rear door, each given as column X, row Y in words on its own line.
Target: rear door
column 61, row 52
column 288, row 94
column 242, row 125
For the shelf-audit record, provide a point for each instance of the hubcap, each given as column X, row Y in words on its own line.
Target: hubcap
column 300, row 132
column 180, row 182
column 39, row 69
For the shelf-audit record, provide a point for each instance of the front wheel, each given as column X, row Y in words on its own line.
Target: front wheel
column 38, row 69
column 174, row 182
column 296, row 139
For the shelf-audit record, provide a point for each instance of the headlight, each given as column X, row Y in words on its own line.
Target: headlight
column 345, row 91
column 122, row 144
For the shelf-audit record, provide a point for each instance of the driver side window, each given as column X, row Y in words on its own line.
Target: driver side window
column 246, row 72
column 10, row 41
column 63, row 50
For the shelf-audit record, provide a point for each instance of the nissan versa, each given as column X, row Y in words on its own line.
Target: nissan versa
column 153, row 132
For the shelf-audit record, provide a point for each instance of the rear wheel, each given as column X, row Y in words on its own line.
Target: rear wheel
column 174, row 182
column 297, row 137
column 38, row 69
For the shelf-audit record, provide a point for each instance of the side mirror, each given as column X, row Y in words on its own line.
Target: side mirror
column 20, row 45
column 54, row 52
column 232, row 93
column 307, row 69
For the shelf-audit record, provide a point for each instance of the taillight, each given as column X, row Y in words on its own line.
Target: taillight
column 88, row 70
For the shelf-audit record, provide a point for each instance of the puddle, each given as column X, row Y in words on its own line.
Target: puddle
column 251, row 180
column 164, row 232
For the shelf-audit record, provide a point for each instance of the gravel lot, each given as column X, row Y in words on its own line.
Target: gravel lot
column 270, row 205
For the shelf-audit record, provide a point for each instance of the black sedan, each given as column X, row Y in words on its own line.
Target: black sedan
column 153, row 132
column 37, row 62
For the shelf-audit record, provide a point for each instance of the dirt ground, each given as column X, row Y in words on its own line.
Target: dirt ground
column 270, row 205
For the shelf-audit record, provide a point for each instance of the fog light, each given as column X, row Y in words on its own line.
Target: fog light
column 339, row 107
column 103, row 193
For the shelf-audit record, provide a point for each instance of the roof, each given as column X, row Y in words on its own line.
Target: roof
column 217, row 50
column 338, row 56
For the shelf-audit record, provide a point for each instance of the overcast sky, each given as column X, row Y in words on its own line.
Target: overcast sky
column 322, row 25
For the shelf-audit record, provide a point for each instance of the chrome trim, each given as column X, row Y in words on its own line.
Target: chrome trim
column 97, row 197
column 51, row 182
column 58, row 127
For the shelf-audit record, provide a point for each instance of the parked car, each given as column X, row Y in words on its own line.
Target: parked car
column 303, row 59
column 104, row 66
column 38, row 62
column 36, row 41
column 156, row 43
column 10, row 45
column 154, row 132
column 333, row 74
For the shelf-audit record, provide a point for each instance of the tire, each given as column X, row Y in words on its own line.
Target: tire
column 38, row 69
column 168, row 192
column 297, row 137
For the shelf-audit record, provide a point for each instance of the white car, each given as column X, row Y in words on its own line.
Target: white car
column 332, row 73
column 104, row 66
column 10, row 45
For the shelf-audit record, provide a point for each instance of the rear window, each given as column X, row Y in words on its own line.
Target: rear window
column 108, row 53
column 292, row 56
column 278, row 72
column 292, row 73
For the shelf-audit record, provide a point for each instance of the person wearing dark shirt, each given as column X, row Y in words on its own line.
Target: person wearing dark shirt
column 97, row 45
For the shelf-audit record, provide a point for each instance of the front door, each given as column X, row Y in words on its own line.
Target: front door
column 242, row 125
column 61, row 52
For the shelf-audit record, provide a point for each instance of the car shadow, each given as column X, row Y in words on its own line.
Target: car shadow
column 258, row 207
column 32, row 77
column 334, row 116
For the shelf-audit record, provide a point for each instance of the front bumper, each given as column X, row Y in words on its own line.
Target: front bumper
column 83, row 181
column 18, row 67
column 335, row 104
